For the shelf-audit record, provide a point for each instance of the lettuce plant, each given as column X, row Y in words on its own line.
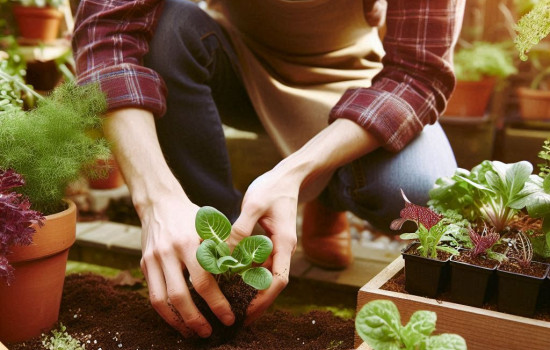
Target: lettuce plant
column 16, row 219
column 492, row 191
column 378, row 323
column 432, row 229
column 214, row 254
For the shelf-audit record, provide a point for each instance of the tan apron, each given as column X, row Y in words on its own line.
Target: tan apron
column 298, row 58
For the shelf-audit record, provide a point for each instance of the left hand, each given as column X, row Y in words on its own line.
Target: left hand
column 271, row 200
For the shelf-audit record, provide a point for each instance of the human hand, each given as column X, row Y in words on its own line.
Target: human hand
column 271, row 200
column 169, row 245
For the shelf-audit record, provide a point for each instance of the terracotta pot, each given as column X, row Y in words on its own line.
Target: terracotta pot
column 534, row 104
column 30, row 305
column 470, row 98
column 38, row 23
column 113, row 179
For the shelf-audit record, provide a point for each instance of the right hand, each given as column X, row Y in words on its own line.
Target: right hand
column 169, row 245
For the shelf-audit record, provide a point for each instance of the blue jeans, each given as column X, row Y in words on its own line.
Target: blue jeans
column 195, row 58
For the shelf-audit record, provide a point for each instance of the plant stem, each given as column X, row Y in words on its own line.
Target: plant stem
column 20, row 85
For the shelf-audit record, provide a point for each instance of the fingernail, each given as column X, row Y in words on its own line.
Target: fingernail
column 205, row 333
column 228, row 319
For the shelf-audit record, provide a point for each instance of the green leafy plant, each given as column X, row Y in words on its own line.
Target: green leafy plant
column 433, row 229
column 481, row 59
column 52, row 145
column 214, row 254
column 61, row 340
column 492, row 191
column 378, row 323
column 13, row 90
column 544, row 155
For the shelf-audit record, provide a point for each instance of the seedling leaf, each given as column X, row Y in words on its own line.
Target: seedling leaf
column 257, row 277
column 378, row 323
column 210, row 223
column 257, row 247
column 207, row 256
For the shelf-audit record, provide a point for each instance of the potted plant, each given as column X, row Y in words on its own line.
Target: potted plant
column 378, row 323
column 238, row 279
column 15, row 93
column 49, row 146
column 38, row 20
column 472, row 270
column 534, row 100
column 426, row 258
column 477, row 68
column 520, row 278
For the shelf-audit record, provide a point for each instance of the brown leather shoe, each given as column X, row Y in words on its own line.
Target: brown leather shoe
column 326, row 238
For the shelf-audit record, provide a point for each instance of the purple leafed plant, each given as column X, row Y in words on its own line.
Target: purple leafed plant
column 16, row 219
column 416, row 213
column 484, row 241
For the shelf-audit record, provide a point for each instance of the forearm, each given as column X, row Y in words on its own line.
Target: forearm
column 338, row 144
column 135, row 145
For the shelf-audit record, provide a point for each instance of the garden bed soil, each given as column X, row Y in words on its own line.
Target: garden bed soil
column 110, row 317
column 397, row 284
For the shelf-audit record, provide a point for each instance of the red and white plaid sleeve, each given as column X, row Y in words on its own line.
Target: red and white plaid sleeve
column 417, row 79
column 109, row 42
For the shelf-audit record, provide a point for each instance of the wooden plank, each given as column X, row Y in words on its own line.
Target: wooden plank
column 482, row 329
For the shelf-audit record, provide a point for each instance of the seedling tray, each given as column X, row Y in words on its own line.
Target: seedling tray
column 482, row 329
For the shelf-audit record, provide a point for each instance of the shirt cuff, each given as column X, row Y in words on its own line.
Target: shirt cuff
column 130, row 86
column 387, row 116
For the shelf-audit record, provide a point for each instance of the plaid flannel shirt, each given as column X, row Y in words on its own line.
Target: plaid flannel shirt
column 111, row 37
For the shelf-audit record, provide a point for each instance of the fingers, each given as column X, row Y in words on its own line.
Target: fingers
column 205, row 284
column 159, row 298
column 284, row 247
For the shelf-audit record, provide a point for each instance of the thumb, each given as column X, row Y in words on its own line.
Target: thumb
column 243, row 227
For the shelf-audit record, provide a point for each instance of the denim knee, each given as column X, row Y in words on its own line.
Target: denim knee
column 370, row 187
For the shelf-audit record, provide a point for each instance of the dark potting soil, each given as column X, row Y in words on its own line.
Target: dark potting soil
column 534, row 269
column 239, row 295
column 109, row 317
column 480, row 260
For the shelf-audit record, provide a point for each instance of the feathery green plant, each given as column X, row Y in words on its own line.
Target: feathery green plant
column 532, row 28
column 52, row 145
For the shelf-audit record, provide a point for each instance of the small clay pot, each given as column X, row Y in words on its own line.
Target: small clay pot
column 424, row 276
column 534, row 104
column 38, row 23
column 470, row 98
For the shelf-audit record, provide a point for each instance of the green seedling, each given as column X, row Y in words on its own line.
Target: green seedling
column 215, row 256
column 378, row 323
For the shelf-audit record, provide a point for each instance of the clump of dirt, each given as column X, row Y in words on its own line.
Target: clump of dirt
column 109, row 317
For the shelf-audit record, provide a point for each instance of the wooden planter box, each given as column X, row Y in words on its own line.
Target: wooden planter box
column 482, row 329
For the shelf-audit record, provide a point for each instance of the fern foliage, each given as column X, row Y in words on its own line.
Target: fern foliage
column 53, row 144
